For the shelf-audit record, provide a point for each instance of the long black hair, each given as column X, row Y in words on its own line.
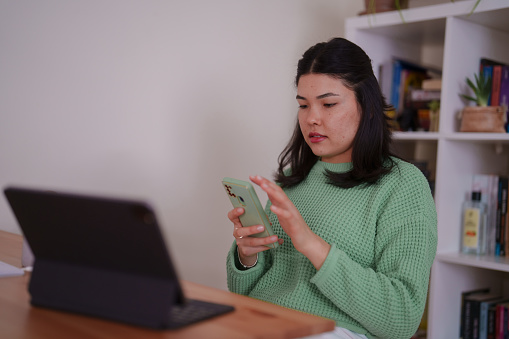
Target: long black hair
column 371, row 154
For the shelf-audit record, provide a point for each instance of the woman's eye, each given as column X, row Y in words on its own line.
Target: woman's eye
column 303, row 106
column 329, row 105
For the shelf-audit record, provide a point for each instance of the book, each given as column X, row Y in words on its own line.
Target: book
column 488, row 75
column 499, row 92
column 492, row 325
column 424, row 95
column 416, row 115
column 506, row 222
column 466, row 313
column 484, row 306
column 501, row 216
column 501, row 317
column 487, row 184
column 477, row 321
column 495, row 85
column 405, row 75
column 487, row 62
column 504, row 90
column 433, row 84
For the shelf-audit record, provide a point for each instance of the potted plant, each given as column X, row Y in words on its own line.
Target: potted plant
column 482, row 117
column 378, row 6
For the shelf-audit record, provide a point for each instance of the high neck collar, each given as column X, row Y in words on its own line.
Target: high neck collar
column 337, row 168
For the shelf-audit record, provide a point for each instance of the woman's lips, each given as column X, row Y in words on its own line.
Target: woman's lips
column 316, row 137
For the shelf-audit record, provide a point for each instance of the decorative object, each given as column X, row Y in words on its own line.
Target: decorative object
column 378, row 6
column 489, row 119
column 482, row 118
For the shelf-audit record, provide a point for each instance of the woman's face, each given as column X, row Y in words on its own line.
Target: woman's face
column 329, row 116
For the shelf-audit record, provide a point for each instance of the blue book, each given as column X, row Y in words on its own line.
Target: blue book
column 396, row 79
column 483, row 316
column 488, row 75
column 398, row 67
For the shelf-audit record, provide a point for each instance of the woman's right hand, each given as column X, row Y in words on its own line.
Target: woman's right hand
column 248, row 247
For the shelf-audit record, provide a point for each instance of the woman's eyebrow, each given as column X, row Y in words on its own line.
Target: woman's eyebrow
column 326, row 95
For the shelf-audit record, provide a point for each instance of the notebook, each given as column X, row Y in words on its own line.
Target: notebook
column 103, row 257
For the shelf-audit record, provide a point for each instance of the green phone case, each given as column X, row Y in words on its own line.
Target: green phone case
column 242, row 194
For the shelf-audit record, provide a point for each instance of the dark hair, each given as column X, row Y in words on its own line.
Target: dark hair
column 371, row 154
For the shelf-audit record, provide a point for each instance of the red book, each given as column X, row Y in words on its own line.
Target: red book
column 495, row 85
column 501, row 321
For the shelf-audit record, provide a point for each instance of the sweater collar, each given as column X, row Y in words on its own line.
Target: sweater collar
column 337, row 168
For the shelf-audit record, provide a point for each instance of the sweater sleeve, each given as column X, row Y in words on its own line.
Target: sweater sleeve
column 243, row 281
column 388, row 299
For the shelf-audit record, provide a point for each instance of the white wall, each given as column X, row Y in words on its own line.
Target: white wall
column 154, row 99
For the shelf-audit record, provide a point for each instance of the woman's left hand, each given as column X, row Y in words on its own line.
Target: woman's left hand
column 290, row 219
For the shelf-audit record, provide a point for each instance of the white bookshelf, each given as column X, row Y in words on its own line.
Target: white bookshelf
column 447, row 37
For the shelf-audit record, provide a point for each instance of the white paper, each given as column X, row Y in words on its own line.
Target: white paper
column 7, row 270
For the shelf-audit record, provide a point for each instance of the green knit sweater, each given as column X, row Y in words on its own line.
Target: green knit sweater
column 383, row 241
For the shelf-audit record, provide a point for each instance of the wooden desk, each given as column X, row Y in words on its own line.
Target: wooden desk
column 251, row 319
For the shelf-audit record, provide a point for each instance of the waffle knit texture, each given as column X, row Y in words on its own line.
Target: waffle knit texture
column 383, row 240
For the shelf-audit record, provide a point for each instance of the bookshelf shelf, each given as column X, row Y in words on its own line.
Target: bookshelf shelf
column 479, row 137
column 415, row 136
column 448, row 37
column 486, row 262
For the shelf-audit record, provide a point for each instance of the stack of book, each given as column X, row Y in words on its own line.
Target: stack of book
column 410, row 87
column 498, row 73
column 494, row 190
column 484, row 315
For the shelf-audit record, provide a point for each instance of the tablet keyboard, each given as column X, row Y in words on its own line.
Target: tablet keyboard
column 194, row 311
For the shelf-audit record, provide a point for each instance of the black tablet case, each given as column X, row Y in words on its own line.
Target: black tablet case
column 97, row 256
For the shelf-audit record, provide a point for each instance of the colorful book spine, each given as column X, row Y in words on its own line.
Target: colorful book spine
column 478, row 305
column 487, row 184
column 504, row 90
column 488, row 76
column 396, row 79
column 466, row 313
column 495, row 85
column 484, row 315
column 501, row 216
column 404, row 76
column 501, row 321
column 492, row 322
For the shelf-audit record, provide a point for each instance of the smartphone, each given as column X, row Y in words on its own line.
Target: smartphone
column 242, row 194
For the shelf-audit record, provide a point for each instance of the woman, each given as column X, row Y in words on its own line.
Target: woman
column 356, row 225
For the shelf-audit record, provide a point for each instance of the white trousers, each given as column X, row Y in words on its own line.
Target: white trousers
column 338, row 333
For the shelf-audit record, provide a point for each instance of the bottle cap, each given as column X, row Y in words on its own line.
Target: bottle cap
column 476, row 196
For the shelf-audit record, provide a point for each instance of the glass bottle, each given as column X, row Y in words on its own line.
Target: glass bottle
column 473, row 228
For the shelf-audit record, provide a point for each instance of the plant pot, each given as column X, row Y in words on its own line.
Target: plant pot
column 489, row 119
column 379, row 6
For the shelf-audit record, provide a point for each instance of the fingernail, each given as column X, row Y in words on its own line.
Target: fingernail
column 260, row 228
column 239, row 209
column 273, row 238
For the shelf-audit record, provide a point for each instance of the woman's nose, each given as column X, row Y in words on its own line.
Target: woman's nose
column 314, row 117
